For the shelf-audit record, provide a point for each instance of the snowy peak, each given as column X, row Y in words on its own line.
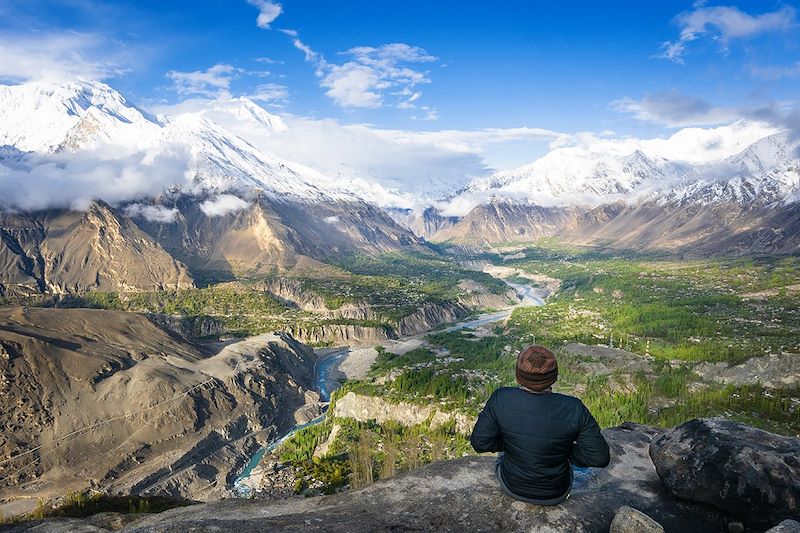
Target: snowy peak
column 223, row 161
column 765, row 172
column 44, row 117
column 245, row 110
column 574, row 175
column 83, row 116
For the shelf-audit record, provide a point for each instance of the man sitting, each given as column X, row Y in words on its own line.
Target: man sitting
column 539, row 433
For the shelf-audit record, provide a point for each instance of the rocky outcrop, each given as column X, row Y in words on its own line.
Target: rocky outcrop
column 787, row 526
column 429, row 316
column 364, row 408
column 772, row 371
column 630, row 520
column 460, row 495
column 145, row 411
column 743, row 471
column 341, row 334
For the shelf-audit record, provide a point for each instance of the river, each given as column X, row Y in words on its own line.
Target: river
column 331, row 358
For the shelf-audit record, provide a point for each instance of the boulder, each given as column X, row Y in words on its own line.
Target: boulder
column 745, row 472
column 630, row 520
column 787, row 526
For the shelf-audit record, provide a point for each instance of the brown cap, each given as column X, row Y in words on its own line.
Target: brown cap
column 537, row 368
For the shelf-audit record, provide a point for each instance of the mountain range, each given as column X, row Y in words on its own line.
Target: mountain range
column 98, row 193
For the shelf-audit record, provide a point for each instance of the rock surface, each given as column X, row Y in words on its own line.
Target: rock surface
column 787, row 526
column 630, row 520
column 746, row 472
column 459, row 495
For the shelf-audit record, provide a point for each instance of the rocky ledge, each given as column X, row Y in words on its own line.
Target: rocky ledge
column 462, row 495
column 459, row 495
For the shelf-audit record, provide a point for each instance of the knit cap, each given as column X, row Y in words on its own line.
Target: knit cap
column 537, row 368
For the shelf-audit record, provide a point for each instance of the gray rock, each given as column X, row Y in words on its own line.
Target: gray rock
column 743, row 471
column 736, row 527
column 630, row 520
column 787, row 526
column 462, row 495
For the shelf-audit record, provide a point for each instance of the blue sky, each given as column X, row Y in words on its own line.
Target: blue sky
column 636, row 68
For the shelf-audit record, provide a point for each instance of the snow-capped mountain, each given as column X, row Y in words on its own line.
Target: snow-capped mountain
column 46, row 117
column 222, row 161
column 98, row 194
column 82, row 117
column 766, row 171
column 575, row 176
column 741, row 203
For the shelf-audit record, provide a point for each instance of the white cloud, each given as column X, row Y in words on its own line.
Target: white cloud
column 354, row 85
column 691, row 145
column 431, row 113
column 267, row 12
column 270, row 93
column 388, row 164
column 60, row 56
column 153, row 213
column 331, row 219
column 724, row 24
column 73, row 179
column 674, row 109
column 207, row 82
column 222, row 205
column 372, row 75
column 310, row 55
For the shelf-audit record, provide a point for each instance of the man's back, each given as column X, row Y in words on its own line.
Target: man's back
column 541, row 434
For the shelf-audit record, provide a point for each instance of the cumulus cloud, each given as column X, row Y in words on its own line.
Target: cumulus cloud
column 222, row 205
column 675, row 109
column 60, row 56
column 267, row 12
column 153, row 213
column 207, row 82
column 373, row 77
column 724, row 24
column 331, row 219
column 74, row 179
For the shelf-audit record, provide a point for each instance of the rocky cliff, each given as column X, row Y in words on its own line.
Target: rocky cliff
column 364, row 408
column 108, row 400
column 341, row 334
column 429, row 316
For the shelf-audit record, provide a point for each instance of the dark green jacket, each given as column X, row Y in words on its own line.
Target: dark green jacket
column 541, row 434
